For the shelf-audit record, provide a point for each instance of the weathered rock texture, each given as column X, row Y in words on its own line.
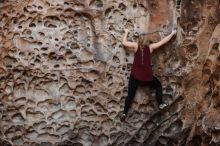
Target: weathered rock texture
column 64, row 73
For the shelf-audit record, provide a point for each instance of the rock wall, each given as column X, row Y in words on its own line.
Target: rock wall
column 64, row 73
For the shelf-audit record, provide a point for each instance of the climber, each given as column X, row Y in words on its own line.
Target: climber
column 141, row 72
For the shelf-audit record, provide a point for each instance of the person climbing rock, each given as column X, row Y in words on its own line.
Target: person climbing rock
column 141, row 72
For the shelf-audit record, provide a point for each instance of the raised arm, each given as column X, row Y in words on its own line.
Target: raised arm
column 131, row 46
column 154, row 46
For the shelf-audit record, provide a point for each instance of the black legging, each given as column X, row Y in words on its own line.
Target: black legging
column 132, row 87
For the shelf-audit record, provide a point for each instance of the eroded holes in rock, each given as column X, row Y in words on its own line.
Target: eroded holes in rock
column 46, row 144
column 32, row 25
column 33, row 13
column 169, row 89
column 10, row 132
column 112, row 105
column 17, row 140
column 82, row 102
column 66, row 3
column 80, row 89
column 25, row 10
column 75, row 32
column 73, row 113
column 61, row 58
column 69, row 105
column 52, row 26
column 208, row 64
column 59, row 9
column 34, row 5
column 69, row 11
column 75, row 46
column 162, row 141
column 214, row 50
column 48, row 137
column 18, row 118
column 22, row 17
column 108, row 11
column 27, row 32
column 178, row 2
column 100, row 108
column 116, row 12
column 52, row 55
column 39, row 43
column 85, row 108
column 56, row 66
column 122, row 7
column 49, row 24
column 110, row 79
column 39, row 7
column 20, row 27
column 175, row 107
column 196, row 141
column 88, row 93
column 52, row 18
column 31, row 38
column 38, row 57
column 150, row 125
column 129, row 24
column 117, row 94
column 168, row 98
column 44, row 55
column 65, row 89
column 8, row 89
column 41, row 34
column 102, row 140
column 54, row 106
column 85, row 134
column 96, row 3
column 90, row 101
column 69, row 54
column 175, row 127
column 31, row 103
column 20, row 101
column 90, row 113
column 63, row 129
column 32, row 133
column 191, row 51
column 44, row 48
column 206, row 75
column 60, row 115
column 107, row 123
column 62, row 49
column 40, row 125
column 9, row 61
column 36, row 61
column 116, row 60
column 33, row 116
column 15, row 21
column 215, row 99
column 111, row 28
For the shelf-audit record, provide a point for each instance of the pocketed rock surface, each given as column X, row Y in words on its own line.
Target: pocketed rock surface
column 64, row 73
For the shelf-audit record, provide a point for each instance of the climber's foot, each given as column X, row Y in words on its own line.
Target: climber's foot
column 123, row 116
column 163, row 105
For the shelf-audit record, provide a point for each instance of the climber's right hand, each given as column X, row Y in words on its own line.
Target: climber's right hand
column 126, row 30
